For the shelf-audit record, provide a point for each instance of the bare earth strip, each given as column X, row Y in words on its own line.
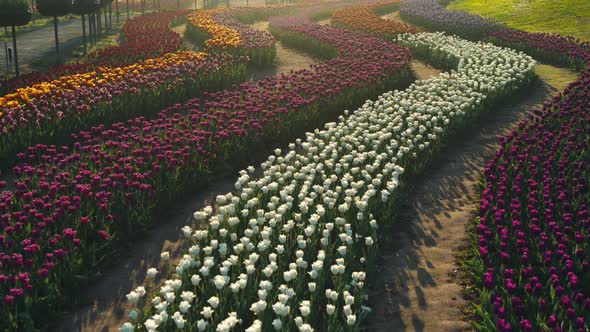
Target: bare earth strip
column 418, row 289
column 287, row 59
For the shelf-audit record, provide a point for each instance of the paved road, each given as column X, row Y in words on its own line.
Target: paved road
column 32, row 46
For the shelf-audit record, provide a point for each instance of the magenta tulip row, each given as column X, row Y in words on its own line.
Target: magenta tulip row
column 533, row 235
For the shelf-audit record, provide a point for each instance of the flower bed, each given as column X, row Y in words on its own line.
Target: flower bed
column 219, row 30
column 551, row 48
column 532, row 239
column 533, row 233
column 73, row 206
column 144, row 37
column 363, row 17
column 294, row 247
column 49, row 112
column 434, row 16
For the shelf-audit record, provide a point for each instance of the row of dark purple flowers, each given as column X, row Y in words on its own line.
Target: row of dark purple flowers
column 532, row 237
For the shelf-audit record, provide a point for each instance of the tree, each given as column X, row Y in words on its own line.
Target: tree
column 14, row 13
column 54, row 8
column 84, row 7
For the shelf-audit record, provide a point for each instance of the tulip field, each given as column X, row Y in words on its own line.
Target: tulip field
column 92, row 153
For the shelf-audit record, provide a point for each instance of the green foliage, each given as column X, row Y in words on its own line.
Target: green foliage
column 54, row 7
column 82, row 7
column 386, row 8
column 14, row 13
column 565, row 17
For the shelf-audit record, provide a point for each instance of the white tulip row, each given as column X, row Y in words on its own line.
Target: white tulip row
column 290, row 249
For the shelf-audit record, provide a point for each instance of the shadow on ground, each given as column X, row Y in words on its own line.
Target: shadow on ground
column 418, row 289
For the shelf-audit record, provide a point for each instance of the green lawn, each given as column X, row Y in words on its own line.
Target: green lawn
column 566, row 17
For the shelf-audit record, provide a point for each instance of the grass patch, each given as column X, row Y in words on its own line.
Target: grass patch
column 565, row 17
column 558, row 78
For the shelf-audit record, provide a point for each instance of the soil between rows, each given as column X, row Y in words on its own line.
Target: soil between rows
column 418, row 290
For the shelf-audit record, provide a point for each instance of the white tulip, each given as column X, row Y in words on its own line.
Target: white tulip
column 151, row 273
column 127, row 327
column 207, row 312
column 133, row 315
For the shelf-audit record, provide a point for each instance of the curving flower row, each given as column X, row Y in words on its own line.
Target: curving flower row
column 533, row 234
column 561, row 50
column 219, row 35
column 292, row 248
column 220, row 29
column 532, row 242
column 258, row 45
column 433, row 15
column 71, row 206
column 51, row 111
column 146, row 36
column 363, row 17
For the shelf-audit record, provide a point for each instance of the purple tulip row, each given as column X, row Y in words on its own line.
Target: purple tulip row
column 561, row 50
column 432, row 15
column 72, row 206
column 533, row 235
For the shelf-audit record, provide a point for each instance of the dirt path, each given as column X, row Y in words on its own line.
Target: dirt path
column 393, row 16
column 180, row 29
column 105, row 306
column 287, row 59
column 419, row 290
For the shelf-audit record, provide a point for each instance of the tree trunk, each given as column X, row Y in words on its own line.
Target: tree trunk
column 142, row 8
column 117, row 11
column 56, row 35
column 127, row 10
column 98, row 23
column 15, row 51
column 33, row 11
column 178, row 4
column 94, row 33
column 227, row 3
column 90, row 32
column 111, row 15
column 84, row 34
column 106, row 19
